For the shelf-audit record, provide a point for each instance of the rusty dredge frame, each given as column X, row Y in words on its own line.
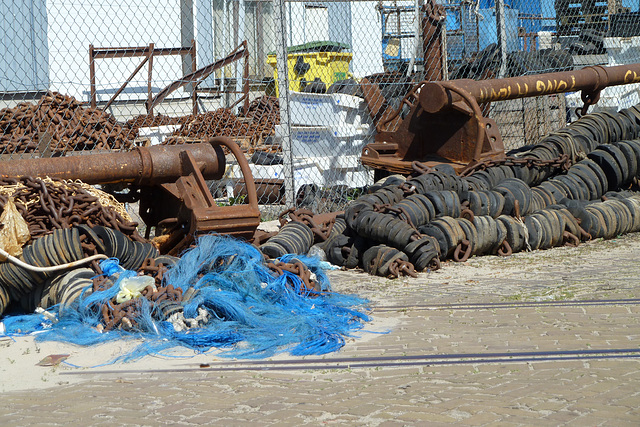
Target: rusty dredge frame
column 175, row 192
column 446, row 124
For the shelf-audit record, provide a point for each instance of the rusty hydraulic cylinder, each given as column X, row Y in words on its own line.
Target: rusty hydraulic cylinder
column 434, row 97
column 142, row 166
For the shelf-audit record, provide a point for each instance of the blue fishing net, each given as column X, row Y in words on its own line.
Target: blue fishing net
column 252, row 312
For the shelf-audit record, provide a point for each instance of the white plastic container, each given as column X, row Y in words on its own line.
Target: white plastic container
column 325, row 141
column 622, row 50
column 333, row 110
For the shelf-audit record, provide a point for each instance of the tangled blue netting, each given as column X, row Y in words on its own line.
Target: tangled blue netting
column 253, row 313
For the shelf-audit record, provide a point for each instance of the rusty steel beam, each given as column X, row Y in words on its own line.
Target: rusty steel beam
column 142, row 166
column 432, row 45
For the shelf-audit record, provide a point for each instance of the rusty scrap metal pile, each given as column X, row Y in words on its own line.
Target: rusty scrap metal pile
column 261, row 117
column 70, row 222
column 265, row 115
column 152, row 121
column 59, row 124
column 71, row 126
column 219, row 122
column 167, row 300
column 571, row 187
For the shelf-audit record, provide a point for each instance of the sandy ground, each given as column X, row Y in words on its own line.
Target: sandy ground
column 533, row 276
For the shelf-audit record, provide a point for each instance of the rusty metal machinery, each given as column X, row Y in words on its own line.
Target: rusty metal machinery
column 432, row 36
column 445, row 123
column 174, row 192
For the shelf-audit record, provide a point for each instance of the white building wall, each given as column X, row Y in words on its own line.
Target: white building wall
column 73, row 26
column 23, row 46
column 362, row 31
column 366, row 30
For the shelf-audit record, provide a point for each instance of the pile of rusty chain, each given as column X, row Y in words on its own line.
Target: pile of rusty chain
column 265, row 115
column 221, row 122
column 124, row 315
column 260, row 120
column 164, row 298
column 310, row 285
column 48, row 204
column 151, row 121
column 264, row 106
column 71, row 126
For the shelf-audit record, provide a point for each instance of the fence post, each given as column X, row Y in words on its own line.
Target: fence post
column 240, row 31
column 502, row 37
column 283, row 95
column 417, row 26
column 186, row 35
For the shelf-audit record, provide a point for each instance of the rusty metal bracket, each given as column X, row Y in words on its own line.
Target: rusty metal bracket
column 199, row 213
column 147, row 52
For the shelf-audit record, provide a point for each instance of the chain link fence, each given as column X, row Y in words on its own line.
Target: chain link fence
column 285, row 79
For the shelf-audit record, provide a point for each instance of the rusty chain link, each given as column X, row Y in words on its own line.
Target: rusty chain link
column 124, row 315
column 70, row 124
column 400, row 267
column 299, row 269
column 321, row 230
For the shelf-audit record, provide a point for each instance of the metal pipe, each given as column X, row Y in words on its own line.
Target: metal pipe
column 143, row 166
column 434, row 97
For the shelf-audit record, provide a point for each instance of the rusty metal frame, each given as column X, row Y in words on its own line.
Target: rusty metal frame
column 197, row 76
column 148, row 52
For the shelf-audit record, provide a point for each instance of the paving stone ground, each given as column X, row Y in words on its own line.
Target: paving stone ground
column 544, row 338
